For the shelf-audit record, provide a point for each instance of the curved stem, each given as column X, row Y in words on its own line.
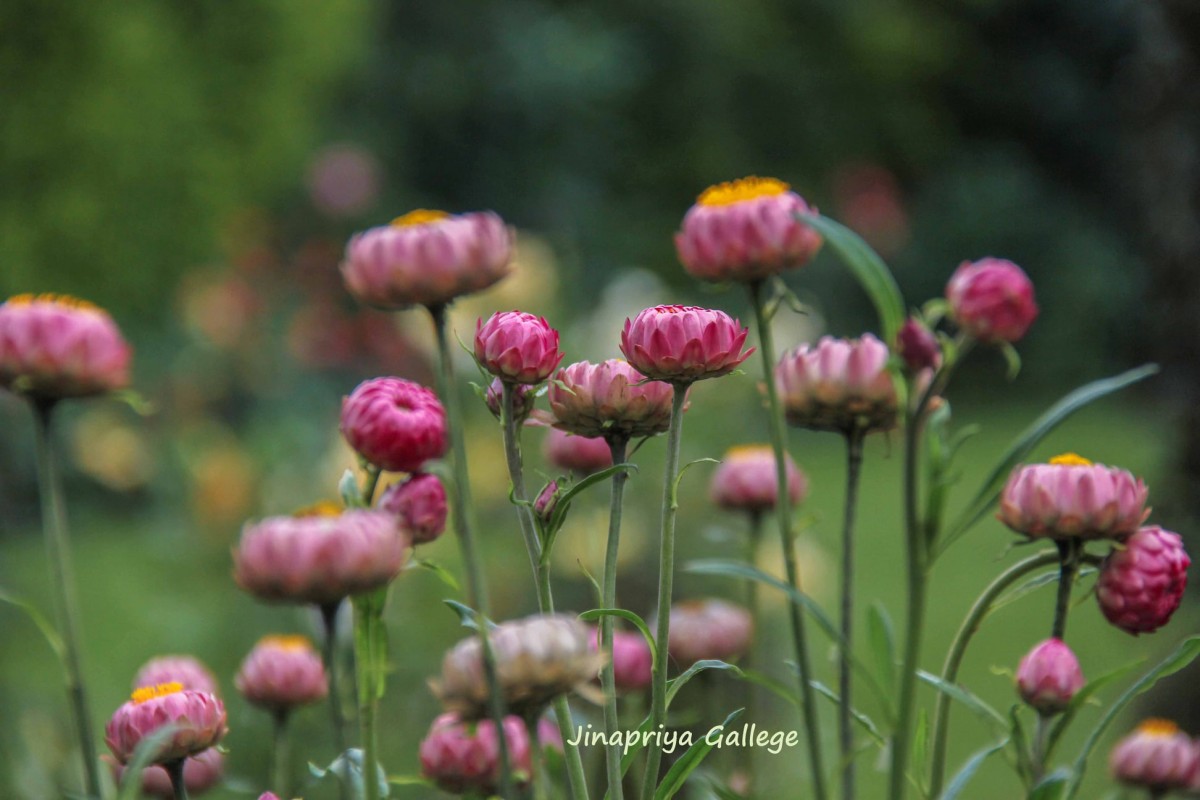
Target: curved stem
column 477, row 597
column 666, row 569
column 783, row 515
column 62, row 576
column 279, row 755
column 178, row 784
column 854, row 456
column 329, row 615
column 958, row 649
column 617, row 445
column 1069, row 552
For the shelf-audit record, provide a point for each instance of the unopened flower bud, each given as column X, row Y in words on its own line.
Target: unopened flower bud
column 524, row 398
column 992, row 300
column 1142, row 580
column 420, row 504
column 1049, row 676
column 517, row 347
column 917, row 346
column 547, row 501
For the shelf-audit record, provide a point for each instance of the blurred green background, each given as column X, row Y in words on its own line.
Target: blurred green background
column 196, row 167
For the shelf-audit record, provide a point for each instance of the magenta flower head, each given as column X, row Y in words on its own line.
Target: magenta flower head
column 187, row 671
column 517, row 347
column 281, row 673
column 395, row 424
column 631, row 660
column 320, row 558
column 54, row 347
column 198, row 719
column 1070, row 497
column 427, row 258
column 201, row 772
column 745, row 480
column 992, row 300
column 746, row 230
column 420, row 504
column 537, row 659
column 524, row 398
column 464, row 758
column 917, row 347
column 683, row 344
column 838, row 385
column 1157, row 756
column 578, row 454
column 1142, row 580
column 702, row 629
column 1048, row 677
column 609, row 399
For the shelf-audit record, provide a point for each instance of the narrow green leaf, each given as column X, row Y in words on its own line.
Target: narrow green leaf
column 596, row 613
column 1052, row 787
column 1081, row 698
column 467, row 615
column 881, row 635
column 36, row 617
column 868, row 268
column 143, row 757
column 967, row 698
column 410, row 780
column 674, row 685
column 683, row 469
column 862, row 719
column 964, row 775
column 1012, row 360
column 673, row 781
column 443, row 574
column 564, row 502
column 773, row 685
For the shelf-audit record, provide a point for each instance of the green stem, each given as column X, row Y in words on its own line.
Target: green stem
column 537, row 759
column 958, row 649
column 370, row 748
column 329, row 615
column 1069, row 551
column 279, row 755
column 854, row 456
column 666, row 569
column 368, row 491
column 618, row 445
column 1039, row 748
column 477, row 597
column 783, row 515
column 58, row 546
column 746, row 757
column 175, row 772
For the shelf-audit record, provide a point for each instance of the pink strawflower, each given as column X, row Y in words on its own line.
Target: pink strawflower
column 201, row 772
column 517, row 347
column 547, row 501
column 464, row 758
column 1157, row 756
column 427, row 258
column 917, row 347
column 281, row 673
column 1070, row 497
column 198, row 717
column 838, row 385
column 682, row 344
column 395, row 424
column 1142, row 580
column 704, row 629
column 992, row 300
column 524, row 398
column 746, row 480
column 1049, row 676
column 189, row 672
column 746, row 230
column 420, row 504
column 630, row 658
column 609, row 399
column 321, row 558
column 576, row 453
column 53, row 347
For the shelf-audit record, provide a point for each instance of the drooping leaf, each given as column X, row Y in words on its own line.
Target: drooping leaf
column 467, row 615
column 1081, row 698
column 881, row 635
column 443, row 574
column 564, row 502
column 48, row 631
column 596, row 613
column 1052, row 787
column 675, row 684
column 677, row 775
column 964, row 775
column 143, row 757
column 967, row 698
column 865, row 722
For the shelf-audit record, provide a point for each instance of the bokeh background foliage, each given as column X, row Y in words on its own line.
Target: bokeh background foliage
column 196, row 166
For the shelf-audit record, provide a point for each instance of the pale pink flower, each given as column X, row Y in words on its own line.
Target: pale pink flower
column 704, row 629
column 187, row 671
column 682, row 344
column 282, row 672
column 1049, row 676
column 201, row 772
column 1157, row 756
column 838, row 385
column 1142, row 581
column 395, row 424
column 427, row 258
column 609, row 399
column 576, row 453
column 517, row 347
column 631, row 659
column 54, row 347
column 198, row 719
column 746, row 480
column 992, row 300
column 463, row 757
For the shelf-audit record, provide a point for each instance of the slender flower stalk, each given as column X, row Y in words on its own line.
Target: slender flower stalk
column 58, row 545
column 476, row 588
column 854, row 456
column 175, row 771
column 537, row 766
column 666, row 574
column 279, row 754
column 1069, row 551
column 619, row 445
column 329, row 615
column 783, row 516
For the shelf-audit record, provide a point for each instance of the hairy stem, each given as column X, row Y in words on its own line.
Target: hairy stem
column 854, row 456
column 618, row 445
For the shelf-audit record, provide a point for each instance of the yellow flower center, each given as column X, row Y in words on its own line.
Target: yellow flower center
column 730, row 192
column 161, row 690
column 324, row 508
column 64, row 300
column 421, row 216
column 748, row 451
column 1158, row 727
column 289, row 642
column 1070, row 460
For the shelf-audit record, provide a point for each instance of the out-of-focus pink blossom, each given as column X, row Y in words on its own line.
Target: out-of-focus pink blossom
column 609, row 399
column 188, row 671
column 918, row 347
column 420, row 504
column 576, row 453
column 201, row 772
column 746, row 480
column 1157, row 756
column 281, row 673
column 464, row 758
column 1071, row 497
column 517, row 347
column 703, row 629
column 395, row 424
column 631, row 659
column 838, row 385
column 1049, row 676
column 992, row 300
column 682, row 344
column 343, row 180
column 1142, row 581
column 198, row 719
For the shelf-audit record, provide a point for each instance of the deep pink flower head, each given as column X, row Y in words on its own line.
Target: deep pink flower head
column 517, row 347
column 576, row 453
column 1049, row 676
column 682, row 344
column 745, row 480
column 609, row 399
column 201, row 772
column 917, row 347
column 838, row 385
column 189, row 672
column 1157, row 756
column 631, row 659
column 395, row 424
column 420, row 504
column 54, row 346
column 745, row 230
column 1142, row 580
column 464, row 758
column 282, row 672
column 992, row 300
column 524, row 398
column 709, row 628
column 199, row 719
column 427, row 258
column 1072, row 497
column 320, row 558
